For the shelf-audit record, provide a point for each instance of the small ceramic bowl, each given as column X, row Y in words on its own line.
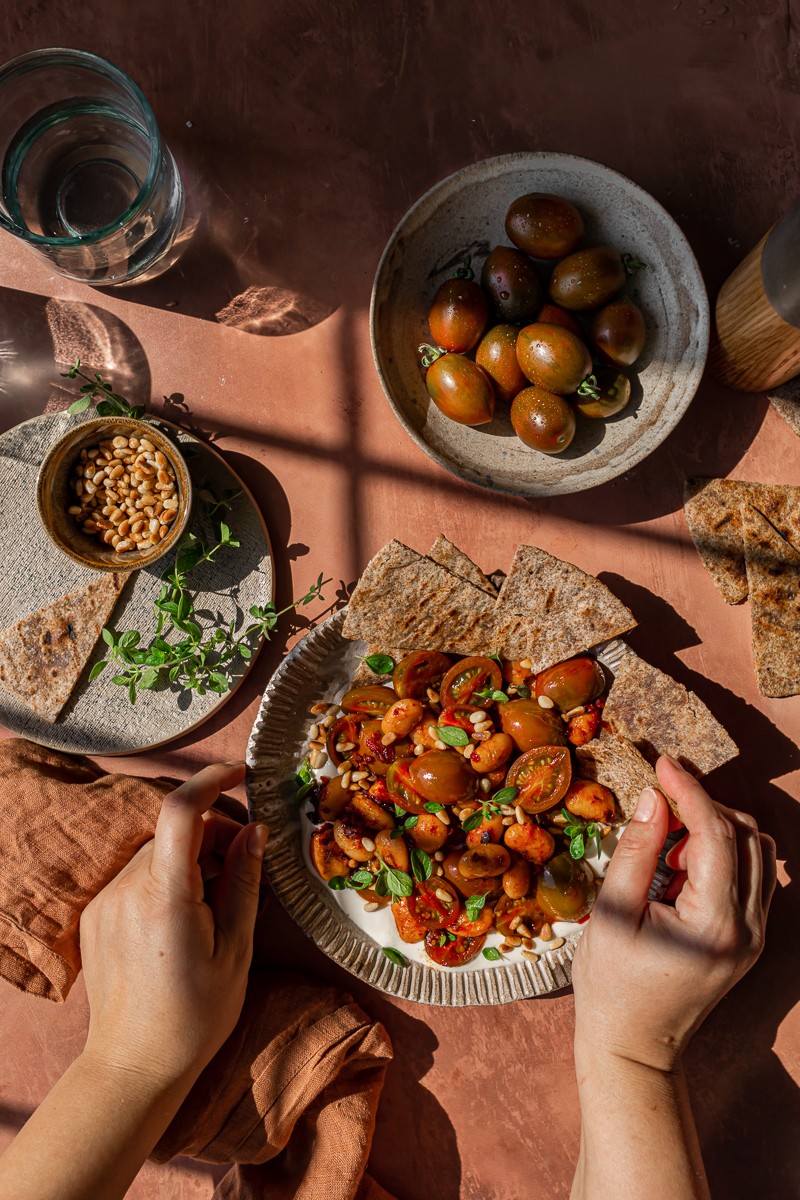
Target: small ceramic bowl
column 465, row 214
column 54, row 495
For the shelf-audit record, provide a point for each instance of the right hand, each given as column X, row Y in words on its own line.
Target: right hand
column 646, row 974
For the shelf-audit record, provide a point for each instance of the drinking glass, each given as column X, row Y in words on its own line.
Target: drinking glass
column 85, row 178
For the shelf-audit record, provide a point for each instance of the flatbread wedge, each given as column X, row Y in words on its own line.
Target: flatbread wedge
column 406, row 599
column 661, row 716
column 616, row 763
column 43, row 655
column 713, row 513
column 447, row 555
column 773, row 576
column 549, row 610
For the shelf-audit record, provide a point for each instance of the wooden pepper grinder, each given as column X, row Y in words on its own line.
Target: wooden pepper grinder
column 757, row 342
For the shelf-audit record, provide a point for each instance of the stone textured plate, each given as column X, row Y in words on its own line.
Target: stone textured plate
column 465, row 214
column 317, row 668
column 98, row 718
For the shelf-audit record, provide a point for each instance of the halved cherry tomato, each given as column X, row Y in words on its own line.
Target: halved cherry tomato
column 443, row 776
column 419, row 671
column 463, row 927
column 401, row 789
column 429, row 909
column 380, row 792
column 542, row 776
column 370, row 701
column 343, row 729
column 458, row 717
column 372, row 750
column 408, row 927
column 467, row 677
column 527, row 909
column 453, row 954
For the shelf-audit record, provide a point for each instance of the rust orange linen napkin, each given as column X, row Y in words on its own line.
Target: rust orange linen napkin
column 291, row 1096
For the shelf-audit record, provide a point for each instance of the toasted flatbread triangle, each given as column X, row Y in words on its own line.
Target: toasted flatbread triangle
column 549, row 610
column 713, row 513
column 446, row 554
column 773, row 576
column 661, row 716
column 42, row 655
column 617, row 764
column 406, row 599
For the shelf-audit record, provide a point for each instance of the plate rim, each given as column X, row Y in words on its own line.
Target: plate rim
column 470, row 474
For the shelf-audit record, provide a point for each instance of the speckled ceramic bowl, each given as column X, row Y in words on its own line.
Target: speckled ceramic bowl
column 464, row 214
column 54, row 494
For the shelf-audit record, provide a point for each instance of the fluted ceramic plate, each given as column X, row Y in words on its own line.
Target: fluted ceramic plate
column 465, row 214
column 319, row 668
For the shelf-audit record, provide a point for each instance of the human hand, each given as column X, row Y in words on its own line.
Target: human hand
column 166, row 969
column 646, row 974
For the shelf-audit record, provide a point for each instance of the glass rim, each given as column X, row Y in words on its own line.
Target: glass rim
column 69, row 56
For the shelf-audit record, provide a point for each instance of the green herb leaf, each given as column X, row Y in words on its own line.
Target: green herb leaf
column 576, row 846
column 421, row 865
column 303, row 792
column 523, row 692
column 396, row 833
column 410, row 822
column 380, row 664
column 506, row 795
column 433, row 806
column 452, row 735
column 442, row 939
column 338, row 883
column 380, row 885
column 474, row 906
column 394, row 956
column 108, row 638
column 499, row 697
column 398, row 883
column 398, row 811
column 492, row 953
column 472, row 821
column 97, row 669
column 304, row 773
column 148, row 679
column 80, row 405
column 361, row 880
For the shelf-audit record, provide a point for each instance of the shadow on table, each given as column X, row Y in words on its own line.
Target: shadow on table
column 40, row 337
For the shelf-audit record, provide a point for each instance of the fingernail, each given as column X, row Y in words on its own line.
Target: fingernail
column 646, row 807
column 257, row 840
column 672, row 761
column 236, row 762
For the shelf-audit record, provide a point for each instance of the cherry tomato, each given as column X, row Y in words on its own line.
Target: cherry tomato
column 571, row 683
column 613, row 394
column 484, row 861
column 530, row 725
column 543, row 420
column 459, row 718
column 618, row 332
column 443, row 776
column 452, row 954
column 343, row 729
column 466, row 678
column 408, row 927
column 461, row 390
column 458, row 314
column 497, row 354
column 372, row 750
column 467, row 887
column 591, row 801
column 553, row 357
column 564, row 889
column 542, row 776
column 419, row 671
column 587, row 278
column 527, row 909
column 512, row 283
column 463, row 927
column 380, row 792
column 551, row 314
column 401, row 788
column 370, row 701
column 544, row 225
column 429, row 907
column 326, row 855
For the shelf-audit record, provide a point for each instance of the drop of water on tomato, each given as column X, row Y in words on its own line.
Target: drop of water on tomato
column 504, row 295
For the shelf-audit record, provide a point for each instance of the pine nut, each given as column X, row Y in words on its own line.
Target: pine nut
column 119, row 442
column 523, row 931
column 509, row 821
column 419, row 750
column 556, row 944
column 477, row 717
column 371, row 907
column 161, row 458
column 318, row 709
column 123, row 544
column 442, row 895
column 359, row 775
column 432, row 731
column 513, row 940
column 521, row 816
column 89, row 488
column 144, row 444
column 433, row 696
column 440, row 870
column 513, row 923
column 504, row 948
column 346, row 780
column 317, row 759
column 545, row 702
column 526, row 664
column 485, row 785
column 75, row 510
column 388, row 738
column 574, row 712
column 443, row 817
column 439, row 856
column 440, row 745
column 368, row 844
column 546, row 932
column 530, row 955
column 313, row 733
column 145, row 544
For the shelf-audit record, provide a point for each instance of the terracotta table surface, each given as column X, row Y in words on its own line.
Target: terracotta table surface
column 305, row 131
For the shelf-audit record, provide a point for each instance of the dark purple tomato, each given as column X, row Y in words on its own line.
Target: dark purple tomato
column 461, row 390
column 530, row 726
column 543, row 420
column 587, row 278
column 610, row 393
column 618, row 332
column 497, row 354
column 564, row 889
column 551, row 314
column 419, row 671
column 511, row 282
column 571, row 683
column 443, row 776
column 553, row 358
column 543, row 225
column 458, row 315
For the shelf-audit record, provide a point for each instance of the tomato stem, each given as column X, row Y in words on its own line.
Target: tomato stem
column 632, row 263
column 430, row 354
column 589, row 387
column 465, row 271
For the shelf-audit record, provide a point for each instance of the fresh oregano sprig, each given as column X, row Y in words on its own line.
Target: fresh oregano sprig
column 581, row 834
column 110, row 405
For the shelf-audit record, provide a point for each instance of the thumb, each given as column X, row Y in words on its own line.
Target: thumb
column 633, row 864
column 236, row 899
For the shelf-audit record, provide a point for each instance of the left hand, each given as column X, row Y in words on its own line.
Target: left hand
column 166, row 968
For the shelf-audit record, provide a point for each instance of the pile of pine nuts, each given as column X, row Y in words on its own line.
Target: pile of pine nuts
column 126, row 493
